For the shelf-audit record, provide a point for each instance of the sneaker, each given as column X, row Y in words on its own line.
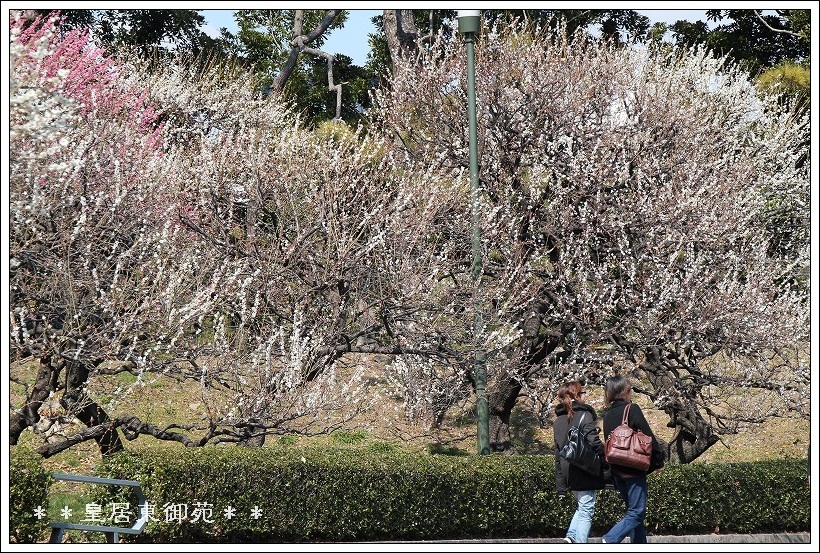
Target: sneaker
column 569, row 540
column 603, row 540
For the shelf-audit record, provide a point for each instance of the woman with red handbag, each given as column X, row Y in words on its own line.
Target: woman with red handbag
column 573, row 411
column 630, row 483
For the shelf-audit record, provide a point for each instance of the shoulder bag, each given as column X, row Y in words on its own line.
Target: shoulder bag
column 628, row 447
column 579, row 452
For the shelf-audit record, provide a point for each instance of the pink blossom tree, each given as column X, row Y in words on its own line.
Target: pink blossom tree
column 83, row 227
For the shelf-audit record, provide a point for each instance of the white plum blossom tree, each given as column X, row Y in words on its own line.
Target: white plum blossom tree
column 624, row 202
column 167, row 222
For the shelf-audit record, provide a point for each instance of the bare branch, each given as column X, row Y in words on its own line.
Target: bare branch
column 782, row 31
column 330, row 84
column 300, row 42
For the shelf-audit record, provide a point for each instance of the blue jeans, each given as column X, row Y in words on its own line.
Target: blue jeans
column 582, row 519
column 633, row 492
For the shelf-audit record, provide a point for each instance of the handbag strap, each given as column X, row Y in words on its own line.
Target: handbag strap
column 580, row 420
column 626, row 414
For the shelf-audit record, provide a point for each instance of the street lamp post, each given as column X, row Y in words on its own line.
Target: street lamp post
column 469, row 22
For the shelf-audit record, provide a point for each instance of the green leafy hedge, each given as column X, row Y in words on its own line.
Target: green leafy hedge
column 737, row 498
column 328, row 494
column 28, row 489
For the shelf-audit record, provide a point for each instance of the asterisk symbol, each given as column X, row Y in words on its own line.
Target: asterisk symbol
column 39, row 512
column 256, row 512
column 66, row 512
column 229, row 512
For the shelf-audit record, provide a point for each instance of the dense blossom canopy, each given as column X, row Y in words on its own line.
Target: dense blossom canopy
column 167, row 221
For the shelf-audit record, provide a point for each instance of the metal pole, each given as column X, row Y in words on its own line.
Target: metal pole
column 469, row 21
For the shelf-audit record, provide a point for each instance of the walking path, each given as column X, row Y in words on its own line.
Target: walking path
column 784, row 538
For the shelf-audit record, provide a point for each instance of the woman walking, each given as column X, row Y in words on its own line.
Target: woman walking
column 630, row 483
column 573, row 411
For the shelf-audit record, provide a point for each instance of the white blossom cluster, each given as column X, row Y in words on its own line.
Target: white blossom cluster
column 132, row 244
column 625, row 221
column 628, row 199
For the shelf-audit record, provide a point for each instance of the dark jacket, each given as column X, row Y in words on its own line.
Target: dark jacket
column 568, row 477
column 613, row 419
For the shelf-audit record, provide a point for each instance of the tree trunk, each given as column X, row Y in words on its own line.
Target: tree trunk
column 501, row 400
column 401, row 34
column 254, row 436
column 29, row 414
column 693, row 436
column 536, row 344
column 77, row 403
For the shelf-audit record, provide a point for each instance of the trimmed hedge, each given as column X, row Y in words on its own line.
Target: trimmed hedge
column 28, row 489
column 738, row 498
column 327, row 494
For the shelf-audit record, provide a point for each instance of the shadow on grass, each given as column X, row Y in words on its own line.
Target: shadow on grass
column 524, row 437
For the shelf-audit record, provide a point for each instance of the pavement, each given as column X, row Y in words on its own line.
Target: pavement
column 783, row 538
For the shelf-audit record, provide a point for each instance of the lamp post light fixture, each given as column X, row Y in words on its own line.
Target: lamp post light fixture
column 469, row 22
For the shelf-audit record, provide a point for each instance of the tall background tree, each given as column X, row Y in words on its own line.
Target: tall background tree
column 285, row 48
column 147, row 30
column 756, row 41
column 400, row 33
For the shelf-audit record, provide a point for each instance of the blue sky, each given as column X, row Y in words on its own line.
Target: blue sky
column 351, row 40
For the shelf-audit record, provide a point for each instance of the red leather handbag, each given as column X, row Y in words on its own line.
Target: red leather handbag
column 627, row 446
